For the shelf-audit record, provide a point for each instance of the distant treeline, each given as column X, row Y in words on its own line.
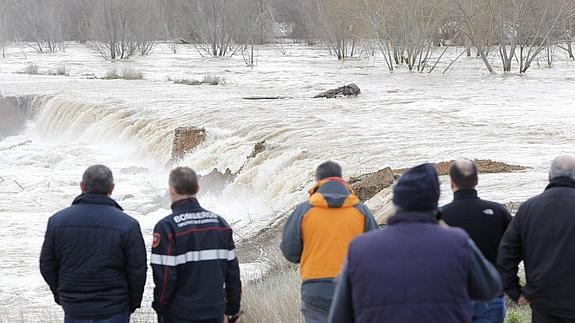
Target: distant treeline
column 404, row 31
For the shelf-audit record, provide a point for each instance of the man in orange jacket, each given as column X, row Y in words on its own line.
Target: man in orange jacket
column 317, row 235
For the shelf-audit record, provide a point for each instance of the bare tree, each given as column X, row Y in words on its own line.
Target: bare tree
column 41, row 24
column 407, row 31
column 217, row 25
column 120, row 29
column 477, row 24
column 567, row 34
column 175, row 19
column 259, row 27
column 338, row 23
column 4, row 26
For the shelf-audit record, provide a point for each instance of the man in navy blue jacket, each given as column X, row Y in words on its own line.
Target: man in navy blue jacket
column 196, row 271
column 415, row 270
column 93, row 256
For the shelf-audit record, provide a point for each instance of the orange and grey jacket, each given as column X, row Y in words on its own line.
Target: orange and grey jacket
column 317, row 235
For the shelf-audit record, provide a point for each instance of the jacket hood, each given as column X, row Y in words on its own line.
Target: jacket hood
column 332, row 192
column 101, row 199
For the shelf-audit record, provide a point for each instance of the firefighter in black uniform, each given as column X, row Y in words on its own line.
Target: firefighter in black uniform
column 196, row 272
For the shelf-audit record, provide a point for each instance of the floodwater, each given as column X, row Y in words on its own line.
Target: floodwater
column 56, row 126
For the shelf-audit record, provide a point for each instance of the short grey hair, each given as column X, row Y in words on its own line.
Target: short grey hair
column 98, row 179
column 327, row 169
column 184, row 180
column 562, row 166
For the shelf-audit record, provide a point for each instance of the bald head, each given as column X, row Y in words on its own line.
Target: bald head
column 463, row 173
column 562, row 166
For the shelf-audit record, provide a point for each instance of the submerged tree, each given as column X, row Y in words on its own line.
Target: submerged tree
column 120, row 29
column 406, row 31
column 335, row 22
column 41, row 23
column 217, row 26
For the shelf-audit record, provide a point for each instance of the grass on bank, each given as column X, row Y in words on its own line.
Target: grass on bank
column 274, row 298
column 517, row 314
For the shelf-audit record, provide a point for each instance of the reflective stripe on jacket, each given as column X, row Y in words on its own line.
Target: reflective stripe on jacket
column 196, row 272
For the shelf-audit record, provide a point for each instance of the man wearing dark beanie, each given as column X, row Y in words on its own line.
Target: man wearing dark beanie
column 414, row 270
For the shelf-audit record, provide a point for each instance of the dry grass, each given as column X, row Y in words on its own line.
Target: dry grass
column 274, row 298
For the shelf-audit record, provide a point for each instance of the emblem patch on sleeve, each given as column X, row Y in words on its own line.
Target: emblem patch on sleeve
column 156, row 240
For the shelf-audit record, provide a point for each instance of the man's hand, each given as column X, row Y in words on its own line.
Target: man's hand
column 522, row 300
column 233, row 318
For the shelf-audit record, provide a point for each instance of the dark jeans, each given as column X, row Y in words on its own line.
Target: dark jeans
column 118, row 318
column 540, row 316
column 492, row 311
column 313, row 314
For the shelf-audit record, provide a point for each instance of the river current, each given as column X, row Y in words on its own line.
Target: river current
column 53, row 127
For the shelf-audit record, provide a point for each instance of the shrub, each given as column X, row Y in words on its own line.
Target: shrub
column 112, row 74
column 185, row 81
column 207, row 79
column 31, row 69
column 212, row 80
column 62, row 70
column 129, row 73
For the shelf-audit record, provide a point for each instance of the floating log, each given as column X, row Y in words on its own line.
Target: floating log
column 346, row 90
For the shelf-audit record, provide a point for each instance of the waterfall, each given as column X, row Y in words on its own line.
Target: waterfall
column 15, row 111
column 113, row 124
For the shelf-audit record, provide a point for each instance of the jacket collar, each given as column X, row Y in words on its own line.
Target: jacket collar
column 465, row 194
column 561, row 182
column 100, row 199
column 185, row 204
column 332, row 192
column 411, row 217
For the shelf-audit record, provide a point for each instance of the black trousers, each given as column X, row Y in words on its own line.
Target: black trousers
column 541, row 316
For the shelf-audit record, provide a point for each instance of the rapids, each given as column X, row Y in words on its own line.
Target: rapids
column 52, row 128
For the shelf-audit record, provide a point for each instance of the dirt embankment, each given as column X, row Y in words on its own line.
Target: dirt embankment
column 186, row 139
column 368, row 185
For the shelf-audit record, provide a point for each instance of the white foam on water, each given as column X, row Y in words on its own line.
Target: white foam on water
column 400, row 119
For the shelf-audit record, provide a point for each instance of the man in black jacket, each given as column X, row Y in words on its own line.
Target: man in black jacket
column 542, row 234
column 196, row 271
column 484, row 221
column 93, row 256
